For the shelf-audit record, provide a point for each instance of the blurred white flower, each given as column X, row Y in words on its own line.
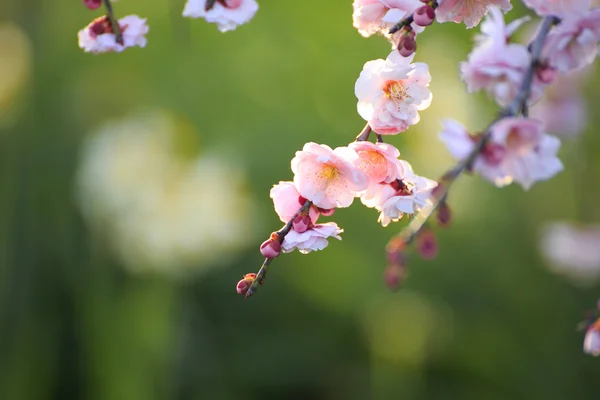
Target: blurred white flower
column 573, row 251
column 160, row 211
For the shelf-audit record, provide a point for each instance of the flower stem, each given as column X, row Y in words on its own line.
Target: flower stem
column 364, row 134
column 113, row 22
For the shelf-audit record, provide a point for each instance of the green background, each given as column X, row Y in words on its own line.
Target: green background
column 484, row 320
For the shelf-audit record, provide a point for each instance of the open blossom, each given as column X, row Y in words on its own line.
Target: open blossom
column 328, row 178
column 378, row 16
column 407, row 195
column 391, row 93
column 469, row 11
column 287, row 202
column 517, row 150
column 98, row 36
column 557, row 7
column 227, row 14
column 312, row 239
column 573, row 44
column 573, row 250
column 379, row 161
column 496, row 66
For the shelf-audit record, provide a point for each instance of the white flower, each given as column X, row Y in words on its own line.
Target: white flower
column 469, row 11
column 573, row 251
column 98, row 36
column 391, row 93
column 312, row 239
column 227, row 14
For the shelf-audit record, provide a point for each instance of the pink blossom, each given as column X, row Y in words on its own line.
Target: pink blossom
column 563, row 109
column 391, row 92
column 496, row 66
column 572, row 250
column 517, row 150
column 407, row 195
column 379, row 161
column 328, row 178
column 378, row 16
column 227, row 14
column 591, row 342
column 312, row 239
column 287, row 202
column 469, row 11
column 98, row 36
column 557, row 7
column 573, row 44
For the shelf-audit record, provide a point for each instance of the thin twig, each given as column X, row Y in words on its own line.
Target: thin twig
column 364, row 134
column 445, row 182
column 114, row 24
column 281, row 234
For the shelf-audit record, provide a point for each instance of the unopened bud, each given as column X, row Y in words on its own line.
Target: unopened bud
column 301, row 223
column 326, row 212
column 424, row 16
column 92, row 4
column 407, row 44
column 545, row 73
column 270, row 248
column 394, row 275
column 591, row 343
column 444, row 215
column 427, row 245
column 244, row 284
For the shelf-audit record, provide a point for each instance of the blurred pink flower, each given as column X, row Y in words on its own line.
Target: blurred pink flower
column 557, row 7
column 312, row 239
column 378, row 16
column 391, row 92
column 378, row 161
column 573, row 44
column 227, row 14
column 591, row 342
column 97, row 37
column 469, row 11
column 328, row 178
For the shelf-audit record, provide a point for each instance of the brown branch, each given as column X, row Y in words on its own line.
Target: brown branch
column 364, row 134
column 114, row 24
column 517, row 105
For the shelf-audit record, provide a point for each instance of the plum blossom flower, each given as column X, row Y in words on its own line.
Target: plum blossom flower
column 591, row 342
column 557, row 7
column 328, row 178
column 391, row 93
column 496, row 66
column 98, row 36
column 468, row 11
column 573, row 44
column 378, row 16
column 406, row 195
column 227, row 14
column 517, row 150
column 312, row 239
column 572, row 250
column 288, row 201
column 379, row 161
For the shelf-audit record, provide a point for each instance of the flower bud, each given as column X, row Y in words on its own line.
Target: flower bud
column 244, row 284
column 326, row 212
column 394, row 275
column 444, row 215
column 424, row 16
column 545, row 73
column 407, row 44
column 92, row 4
column 301, row 223
column 270, row 248
column 591, row 343
column 427, row 245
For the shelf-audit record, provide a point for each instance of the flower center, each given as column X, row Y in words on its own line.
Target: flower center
column 329, row 172
column 373, row 164
column 394, row 90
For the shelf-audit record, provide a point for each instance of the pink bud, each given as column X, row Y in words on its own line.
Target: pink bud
column 243, row 286
column 92, row 4
column 394, row 275
column 591, row 343
column 545, row 74
column 427, row 245
column 407, row 45
column 493, row 153
column 301, row 223
column 270, row 248
column 444, row 215
column 424, row 16
column 326, row 213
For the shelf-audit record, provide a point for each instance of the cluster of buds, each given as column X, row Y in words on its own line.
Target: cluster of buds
column 406, row 36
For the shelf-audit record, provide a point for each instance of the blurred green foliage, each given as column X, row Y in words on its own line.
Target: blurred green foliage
column 485, row 320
